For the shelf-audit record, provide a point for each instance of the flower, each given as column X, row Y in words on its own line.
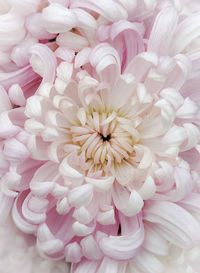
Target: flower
column 110, row 133
column 105, row 156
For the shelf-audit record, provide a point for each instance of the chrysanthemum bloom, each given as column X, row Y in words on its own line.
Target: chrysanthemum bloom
column 118, row 131
column 106, row 155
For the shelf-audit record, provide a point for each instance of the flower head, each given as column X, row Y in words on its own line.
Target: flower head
column 110, row 133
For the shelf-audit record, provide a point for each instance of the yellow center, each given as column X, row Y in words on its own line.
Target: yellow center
column 105, row 138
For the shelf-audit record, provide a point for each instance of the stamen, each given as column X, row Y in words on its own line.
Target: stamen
column 106, row 140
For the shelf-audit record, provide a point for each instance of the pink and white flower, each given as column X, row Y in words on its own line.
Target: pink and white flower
column 106, row 156
column 106, row 135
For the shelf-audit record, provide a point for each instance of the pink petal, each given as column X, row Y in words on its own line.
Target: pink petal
column 163, row 31
column 48, row 60
column 182, row 231
column 126, row 246
column 107, row 8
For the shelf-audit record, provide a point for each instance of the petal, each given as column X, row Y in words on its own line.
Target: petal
column 186, row 32
column 155, row 243
column 141, row 65
column 57, row 18
column 7, row 128
column 124, row 87
column 45, row 57
column 107, row 8
column 5, row 103
column 147, row 263
column 175, row 136
column 5, row 207
column 81, row 195
column 73, row 253
column 72, row 41
column 163, row 30
column 20, row 222
column 42, row 182
column 90, row 248
column 173, row 223
column 129, row 203
column 126, row 246
column 106, row 61
column 103, row 184
column 14, row 150
column 85, row 266
column 16, row 95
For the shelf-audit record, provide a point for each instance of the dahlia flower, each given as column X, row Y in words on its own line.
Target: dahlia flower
column 99, row 134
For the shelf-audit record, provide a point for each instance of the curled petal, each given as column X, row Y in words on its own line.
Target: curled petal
column 107, row 8
column 68, row 170
column 81, row 195
column 123, row 247
column 47, row 59
column 106, row 61
column 42, row 182
column 57, row 18
column 16, row 95
column 19, row 220
column 82, row 230
column 101, row 184
column 130, row 203
column 90, row 248
column 73, row 253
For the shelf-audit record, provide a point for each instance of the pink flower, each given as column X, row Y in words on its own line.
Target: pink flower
column 105, row 157
column 100, row 158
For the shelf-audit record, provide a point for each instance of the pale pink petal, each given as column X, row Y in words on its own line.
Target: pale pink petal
column 130, row 203
column 147, row 263
column 182, row 231
column 72, row 41
column 185, row 33
column 106, row 61
column 46, row 58
column 107, row 8
column 34, row 25
column 163, row 30
column 16, row 95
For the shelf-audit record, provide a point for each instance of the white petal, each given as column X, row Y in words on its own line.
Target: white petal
column 101, row 185
column 81, row 195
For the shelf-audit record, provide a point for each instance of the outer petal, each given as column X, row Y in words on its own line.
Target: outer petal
column 163, row 30
column 173, row 223
column 126, row 246
column 107, row 8
column 46, row 62
column 106, row 61
column 129, row 203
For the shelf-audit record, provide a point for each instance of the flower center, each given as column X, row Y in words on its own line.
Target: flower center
column 107, row 138
column 104, row 138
